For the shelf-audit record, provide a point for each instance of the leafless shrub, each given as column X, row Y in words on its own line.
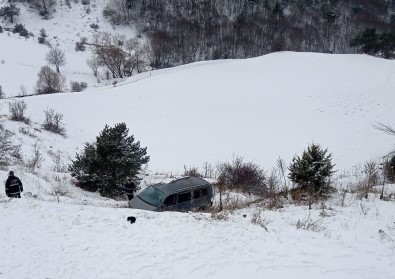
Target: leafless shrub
column 27, row 131
column 385, row 237
column 53, row 121
column 364, row 209
column 17, row 110
column 385, row 128
column 76, row 86
column 325, row 212
column 191, row 171
column 309, row 224
column 58, row 163
column 60, row 189
column 273, row 189
column 343, row 198
column 36, row 159
column 220, row 216
column 49, row 81
column 282, row 167
column 93, row 63
column 8, row 150
column 258, row 220
column 246, row 177
column 208, row 170
column 366, row 181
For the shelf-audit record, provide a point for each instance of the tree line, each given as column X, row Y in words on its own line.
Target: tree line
column 184, row 31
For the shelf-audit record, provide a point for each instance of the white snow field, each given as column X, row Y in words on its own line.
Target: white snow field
column 59, row 240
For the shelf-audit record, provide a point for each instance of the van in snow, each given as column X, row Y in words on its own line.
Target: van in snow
column 185, row 194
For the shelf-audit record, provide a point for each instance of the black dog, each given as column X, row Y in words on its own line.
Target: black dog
column 131, row 219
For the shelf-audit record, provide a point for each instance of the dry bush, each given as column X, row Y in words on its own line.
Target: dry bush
column 8, row 149
column 27, row 131
column 245, row 177
column 220, row 216
column 208, row 170
column 53, row 121
column 58, row 163
column 310, row 224
column 191, row 171
column 273, row 192
column 258, row 220
column 76, row 86
column 60, row 189
column 36, row 159
column 17, row 110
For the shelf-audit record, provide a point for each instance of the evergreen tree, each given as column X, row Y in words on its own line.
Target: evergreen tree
column 9, row 12
column 312, row 171
column 368, row 40
column 390, row 169
column 105, row 164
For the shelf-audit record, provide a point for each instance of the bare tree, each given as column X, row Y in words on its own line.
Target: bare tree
column 43, row 6
column 371, row 170
column 385, row 128
column 94, row 65
column 49, row 81
column 56, row 57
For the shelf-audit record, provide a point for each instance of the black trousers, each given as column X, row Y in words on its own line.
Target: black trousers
column 130, row 196
column 15, row 196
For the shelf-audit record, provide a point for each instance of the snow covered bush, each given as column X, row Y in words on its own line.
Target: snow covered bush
column 8, row 150
column 76, row 86
column 311, row 172
column 246, row 177
column 49, row 81
column 17, row 110
column 53, row 121
column 106, row 164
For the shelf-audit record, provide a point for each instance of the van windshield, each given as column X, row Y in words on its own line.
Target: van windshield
column 152, row 196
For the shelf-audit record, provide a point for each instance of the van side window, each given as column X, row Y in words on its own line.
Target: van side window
column 184, row 197
column 170, row 200
column 200, row 193
column 196, row 194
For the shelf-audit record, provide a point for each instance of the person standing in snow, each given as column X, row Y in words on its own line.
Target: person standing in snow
column 13, row 186
column 129, row 188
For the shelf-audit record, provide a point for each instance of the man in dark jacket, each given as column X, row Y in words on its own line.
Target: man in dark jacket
column 129, row 188
column 13, row 186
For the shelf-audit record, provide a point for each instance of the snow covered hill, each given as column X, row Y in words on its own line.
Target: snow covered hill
column 259, row 108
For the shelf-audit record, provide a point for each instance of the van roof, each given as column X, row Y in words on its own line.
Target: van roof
column 181, row 184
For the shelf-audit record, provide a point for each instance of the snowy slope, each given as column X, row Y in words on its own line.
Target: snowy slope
column 259, row 108
column 58, row 240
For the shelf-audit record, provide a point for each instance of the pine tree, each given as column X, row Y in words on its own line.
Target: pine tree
column 312, row 171
column 104, row 165
column 9, row 12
